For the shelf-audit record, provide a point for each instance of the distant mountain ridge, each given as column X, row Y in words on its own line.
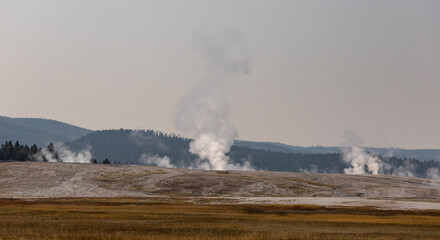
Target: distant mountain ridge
column 281, row 147
column 135, row 147
column 38, row 131
column 44, row 131
column 421, row 154
column 128, row 146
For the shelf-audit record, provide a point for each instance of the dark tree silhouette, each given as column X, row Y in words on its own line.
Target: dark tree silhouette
column 17, row 152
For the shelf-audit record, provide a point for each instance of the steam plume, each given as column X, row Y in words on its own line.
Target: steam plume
column 204, row 112
column 406, row 170
column 434, row 175
column 61, row 153
column 361, row 162
column 149, row 159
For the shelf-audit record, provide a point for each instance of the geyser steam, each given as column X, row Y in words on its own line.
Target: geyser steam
column 156, row 160
column 361, row 162
column 61, row 153
column 203, row 112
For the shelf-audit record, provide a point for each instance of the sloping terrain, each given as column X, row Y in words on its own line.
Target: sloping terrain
column 31, row 180
column 421, row 154
column 128, row 146
column 38, row 131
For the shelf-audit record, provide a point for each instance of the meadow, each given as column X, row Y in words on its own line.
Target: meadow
column 137, row 218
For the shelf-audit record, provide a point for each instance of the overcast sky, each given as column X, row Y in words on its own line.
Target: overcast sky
column 318, row 67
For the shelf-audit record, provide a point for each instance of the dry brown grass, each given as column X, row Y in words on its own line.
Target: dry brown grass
column 174, row 219
column 124, row 180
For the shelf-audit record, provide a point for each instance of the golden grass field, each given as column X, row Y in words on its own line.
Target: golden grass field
column 137, row 218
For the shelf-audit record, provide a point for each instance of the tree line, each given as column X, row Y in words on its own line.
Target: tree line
column 18, row 152
column 126, row 146
column 10, row 151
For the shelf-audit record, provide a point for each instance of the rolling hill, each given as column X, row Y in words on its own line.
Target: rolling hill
column 50, row 180
column 128, row 146
column 421, row 154
column 44, row 131
column 38, row 131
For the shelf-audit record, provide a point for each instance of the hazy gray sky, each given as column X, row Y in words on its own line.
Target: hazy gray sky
column 318, row 67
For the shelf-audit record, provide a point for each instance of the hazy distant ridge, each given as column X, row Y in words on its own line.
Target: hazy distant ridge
column 128, row 146
column 421, row 154
column 43, row 131
column 38, row 131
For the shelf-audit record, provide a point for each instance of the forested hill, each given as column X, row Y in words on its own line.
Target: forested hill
column 127, row 146
column 38, row 131
column 44, row 131
column 280, row 147
column 421, row 154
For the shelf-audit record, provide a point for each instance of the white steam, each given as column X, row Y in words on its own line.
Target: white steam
column 405, row 170
column 155, row 160
column 61, row 153
column 434, row 175
column 361, row 162
column 204, row 112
